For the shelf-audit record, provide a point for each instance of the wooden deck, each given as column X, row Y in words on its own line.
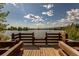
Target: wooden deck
column 42, row 51
column 19, row 50
column 17, row 47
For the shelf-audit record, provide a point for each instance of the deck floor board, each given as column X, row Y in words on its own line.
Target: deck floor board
column 41, row 52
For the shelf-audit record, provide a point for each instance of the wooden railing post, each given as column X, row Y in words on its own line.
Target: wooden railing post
column 19, row 36
column 66, row 35
column 46, row 39
column 12, row 36
column 33, row 38
column 59, row 36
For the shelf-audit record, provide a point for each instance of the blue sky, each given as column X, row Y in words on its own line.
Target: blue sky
column 40, row 15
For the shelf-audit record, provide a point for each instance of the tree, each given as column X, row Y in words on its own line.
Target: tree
column 25, row 28
column 3, row 16
column 19, row 28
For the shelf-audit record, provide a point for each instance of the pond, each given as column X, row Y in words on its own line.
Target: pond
column 39, row 34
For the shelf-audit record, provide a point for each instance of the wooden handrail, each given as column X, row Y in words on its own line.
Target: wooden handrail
column 15, row 50
column 61, row 52
column 68, row 50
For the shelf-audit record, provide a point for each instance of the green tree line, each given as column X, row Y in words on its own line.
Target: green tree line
column 17, row 28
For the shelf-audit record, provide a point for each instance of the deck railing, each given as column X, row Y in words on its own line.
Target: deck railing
column 15, row 47
column 14, row 50
column 29, row 38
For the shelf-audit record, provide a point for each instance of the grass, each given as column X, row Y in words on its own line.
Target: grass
column 72, row 31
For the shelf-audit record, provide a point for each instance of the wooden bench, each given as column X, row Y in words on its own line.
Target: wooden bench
column 67, row 50
column 15, row 50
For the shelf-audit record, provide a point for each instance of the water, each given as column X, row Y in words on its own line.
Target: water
column 39, row 34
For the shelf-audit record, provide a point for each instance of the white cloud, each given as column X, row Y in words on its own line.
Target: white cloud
column 14, row 4
column 34, row 18
column 39, row 24
column 64, row 22
column 48, row 22
column 73, row 15
column 59, row 23
column 48, row 6
column 48, row 13
column 42, row 25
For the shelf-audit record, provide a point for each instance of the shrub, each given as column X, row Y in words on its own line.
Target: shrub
column 73, row 32
column 4, row 37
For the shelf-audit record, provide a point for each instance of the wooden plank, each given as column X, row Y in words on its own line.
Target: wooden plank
column 26, row 54
column 53, row 33
column 47, row 52
column 39, row 40
column 61, row 52
column 54, row 36
column 26, row 36
column 52, row 52
column 27, row 33
column 69, row 50
column 56, row 52
column 53, row 39
column 40, row 43
column 27, row 40
column 25, row 44
column 41, row 52
column 38, row 52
